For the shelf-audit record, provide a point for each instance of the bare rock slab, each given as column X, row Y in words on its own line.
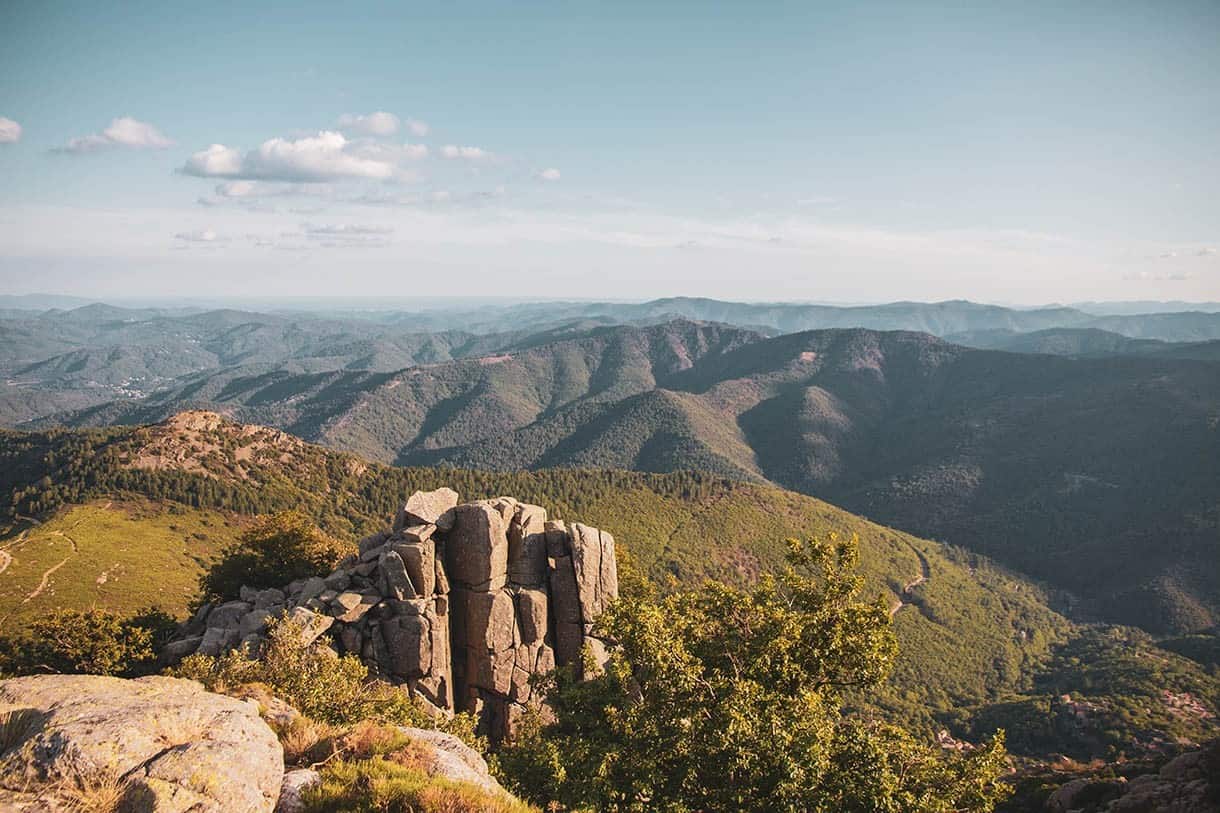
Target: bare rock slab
column 177, row 747
column 425, row 507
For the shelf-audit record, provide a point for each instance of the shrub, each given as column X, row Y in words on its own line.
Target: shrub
column 276, row 549
column 94, row 642
column 312, row 679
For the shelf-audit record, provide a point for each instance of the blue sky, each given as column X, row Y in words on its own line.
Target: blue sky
column 1019, row 152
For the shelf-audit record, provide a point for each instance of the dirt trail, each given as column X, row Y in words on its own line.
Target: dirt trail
column 925, row 573
column 6, row 558
column 46, row 578
column 71, row 541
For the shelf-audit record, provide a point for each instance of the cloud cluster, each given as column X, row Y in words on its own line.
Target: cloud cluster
column 122, row 132
column 10, row 131
column 363, row 160
column 327, row 156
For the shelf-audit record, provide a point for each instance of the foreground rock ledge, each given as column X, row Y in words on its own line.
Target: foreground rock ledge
column 461, row 604
column 173, row 746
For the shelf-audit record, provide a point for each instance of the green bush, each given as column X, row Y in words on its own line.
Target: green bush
column 722, row 699
column 274, row 551
column 93, row 642
column 318, row 683
column 312, row 679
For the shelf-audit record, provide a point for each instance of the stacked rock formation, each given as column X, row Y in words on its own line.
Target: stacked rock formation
column 462, row 604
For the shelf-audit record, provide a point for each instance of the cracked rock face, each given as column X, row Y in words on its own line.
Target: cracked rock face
column 173, row 746
column 463, row 604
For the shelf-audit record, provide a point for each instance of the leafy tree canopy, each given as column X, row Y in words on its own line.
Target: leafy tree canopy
column 275, row 550
column 722, row 699
column 93, row 642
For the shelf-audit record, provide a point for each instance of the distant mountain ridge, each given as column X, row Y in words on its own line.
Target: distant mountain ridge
column 59, row 359
column 937, row 318
column 1088, row 342
column 1076, row 471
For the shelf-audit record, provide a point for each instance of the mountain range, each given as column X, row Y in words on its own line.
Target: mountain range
column 58, row 355
column 1097, row 475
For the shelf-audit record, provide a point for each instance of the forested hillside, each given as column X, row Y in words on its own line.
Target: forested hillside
column 1078, row 471
column 979, row 644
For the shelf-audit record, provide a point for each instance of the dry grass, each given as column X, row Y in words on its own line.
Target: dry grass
column 368, row 739
column 95, row 795
column 306, row 741
column 16, row 726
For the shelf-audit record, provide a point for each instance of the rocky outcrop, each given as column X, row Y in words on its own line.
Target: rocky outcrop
column 159, row 743
column 463, row 604
column 1188, row 783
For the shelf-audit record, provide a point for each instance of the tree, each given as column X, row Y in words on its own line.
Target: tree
column 723, row 699
column 275, row 550
column 93, row 642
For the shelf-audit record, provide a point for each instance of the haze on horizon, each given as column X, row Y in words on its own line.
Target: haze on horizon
column 1022, row 153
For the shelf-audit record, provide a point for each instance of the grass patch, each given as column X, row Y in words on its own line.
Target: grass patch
column 384, row 786
column 119, row 556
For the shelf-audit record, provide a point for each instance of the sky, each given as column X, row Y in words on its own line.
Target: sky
column 1020, row 153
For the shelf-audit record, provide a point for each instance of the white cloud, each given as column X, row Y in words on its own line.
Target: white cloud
column 10, row 131
column 418, row 128
column 216, row 161
column 327, row 156
column 198, row 236
column 549, row 174
column 379, row 123
column 122, row 132
column 469, row 153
